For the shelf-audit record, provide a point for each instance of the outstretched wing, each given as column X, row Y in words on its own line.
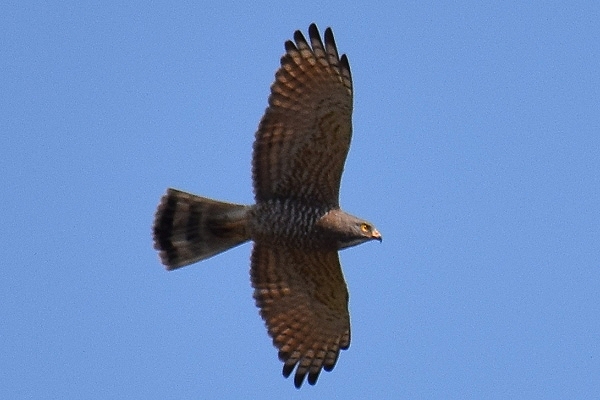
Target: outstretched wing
column 303, row 299
column 303, row 138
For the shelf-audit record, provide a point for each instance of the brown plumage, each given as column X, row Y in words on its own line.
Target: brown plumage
column 296, row 224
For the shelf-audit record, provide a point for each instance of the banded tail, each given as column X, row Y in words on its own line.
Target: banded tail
column 189, row 228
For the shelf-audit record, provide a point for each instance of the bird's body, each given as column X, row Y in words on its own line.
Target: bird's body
column 296, row 223
column 285, row 222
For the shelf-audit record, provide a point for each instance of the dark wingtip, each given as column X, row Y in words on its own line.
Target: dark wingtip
column 313, row 31
column 299, row 37
column 298, row 380
column 287, row 369
column 313, row 377
column 329, row 36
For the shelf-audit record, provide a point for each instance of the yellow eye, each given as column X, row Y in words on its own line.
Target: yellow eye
column 365, row 227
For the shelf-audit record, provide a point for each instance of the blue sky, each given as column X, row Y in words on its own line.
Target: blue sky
column 476, row 152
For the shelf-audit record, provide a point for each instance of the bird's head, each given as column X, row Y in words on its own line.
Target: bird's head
column 347, row 230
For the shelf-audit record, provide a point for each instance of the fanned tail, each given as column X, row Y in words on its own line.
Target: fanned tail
column 189, row 228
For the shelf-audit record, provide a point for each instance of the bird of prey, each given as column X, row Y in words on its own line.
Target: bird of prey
column 296, row 223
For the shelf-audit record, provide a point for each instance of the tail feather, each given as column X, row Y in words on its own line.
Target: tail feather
column 189, row 228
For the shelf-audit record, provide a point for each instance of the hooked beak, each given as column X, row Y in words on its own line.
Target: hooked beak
column 376, row 235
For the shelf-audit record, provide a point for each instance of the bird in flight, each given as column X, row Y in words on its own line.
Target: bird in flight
column 296, row 223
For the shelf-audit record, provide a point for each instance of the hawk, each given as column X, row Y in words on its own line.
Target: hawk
column 296, row 223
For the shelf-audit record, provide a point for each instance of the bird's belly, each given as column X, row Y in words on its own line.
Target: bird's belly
column 285, row 222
